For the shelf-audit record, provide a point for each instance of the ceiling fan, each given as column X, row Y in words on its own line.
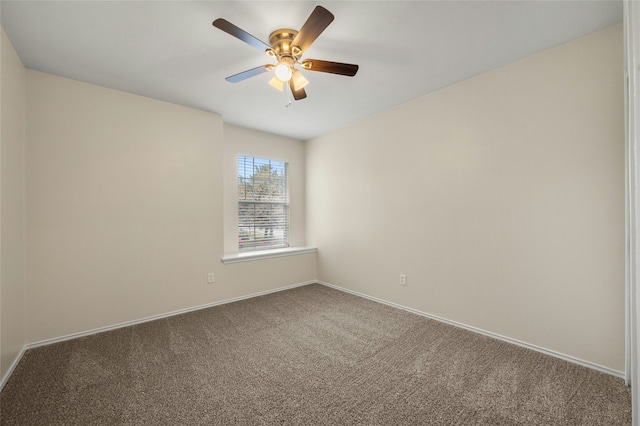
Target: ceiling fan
column 287, row 47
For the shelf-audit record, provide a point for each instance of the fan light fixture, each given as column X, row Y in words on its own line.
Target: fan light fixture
column 298, row 80
column 283, row 71
column 277, row 83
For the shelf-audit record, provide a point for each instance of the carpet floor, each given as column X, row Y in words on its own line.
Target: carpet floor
column 307, row 356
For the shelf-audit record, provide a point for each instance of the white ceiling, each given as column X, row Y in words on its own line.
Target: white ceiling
column 169, row 50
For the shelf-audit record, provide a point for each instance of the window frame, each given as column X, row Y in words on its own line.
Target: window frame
column 284, row 204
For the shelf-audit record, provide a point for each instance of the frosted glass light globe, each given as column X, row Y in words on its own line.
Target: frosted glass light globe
column 283, row 71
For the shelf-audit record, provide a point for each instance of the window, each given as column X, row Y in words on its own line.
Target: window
column 263, row 204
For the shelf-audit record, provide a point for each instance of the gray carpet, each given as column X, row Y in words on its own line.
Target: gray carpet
column 307, row 356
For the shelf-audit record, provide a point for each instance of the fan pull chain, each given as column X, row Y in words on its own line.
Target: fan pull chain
column 289, row 100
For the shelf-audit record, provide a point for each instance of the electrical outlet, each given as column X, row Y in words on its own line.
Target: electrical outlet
column 403, row 279
column 210, row 278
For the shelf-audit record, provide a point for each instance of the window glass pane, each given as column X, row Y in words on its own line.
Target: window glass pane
column 263, row 209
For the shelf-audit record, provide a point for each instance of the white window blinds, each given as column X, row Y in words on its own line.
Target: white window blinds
column 263, row 204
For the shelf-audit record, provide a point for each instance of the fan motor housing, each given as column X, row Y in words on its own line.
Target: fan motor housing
column 281, row 40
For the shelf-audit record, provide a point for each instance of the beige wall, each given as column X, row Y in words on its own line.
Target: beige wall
column 125, row 211
column 12, row 169
column 239, row 140
column 501, row 198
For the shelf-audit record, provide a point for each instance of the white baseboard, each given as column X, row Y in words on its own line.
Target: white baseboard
column 140, row 321
column 262, row 293
column 562, row 356
column 14, row 364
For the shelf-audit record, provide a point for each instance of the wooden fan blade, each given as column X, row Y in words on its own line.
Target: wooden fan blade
column 316, row 23
column 248, row 73
column 297, row 95
column 241, row 34
column 330, row 67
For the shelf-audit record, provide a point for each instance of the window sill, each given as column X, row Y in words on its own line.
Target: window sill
column 266, row 254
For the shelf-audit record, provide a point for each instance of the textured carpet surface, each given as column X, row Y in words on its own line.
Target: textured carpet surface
column 307, row 356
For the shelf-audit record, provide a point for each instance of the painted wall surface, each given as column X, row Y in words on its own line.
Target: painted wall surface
column 239, row 140
column 125, row 211
column 12, row 193
column 501, row 198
